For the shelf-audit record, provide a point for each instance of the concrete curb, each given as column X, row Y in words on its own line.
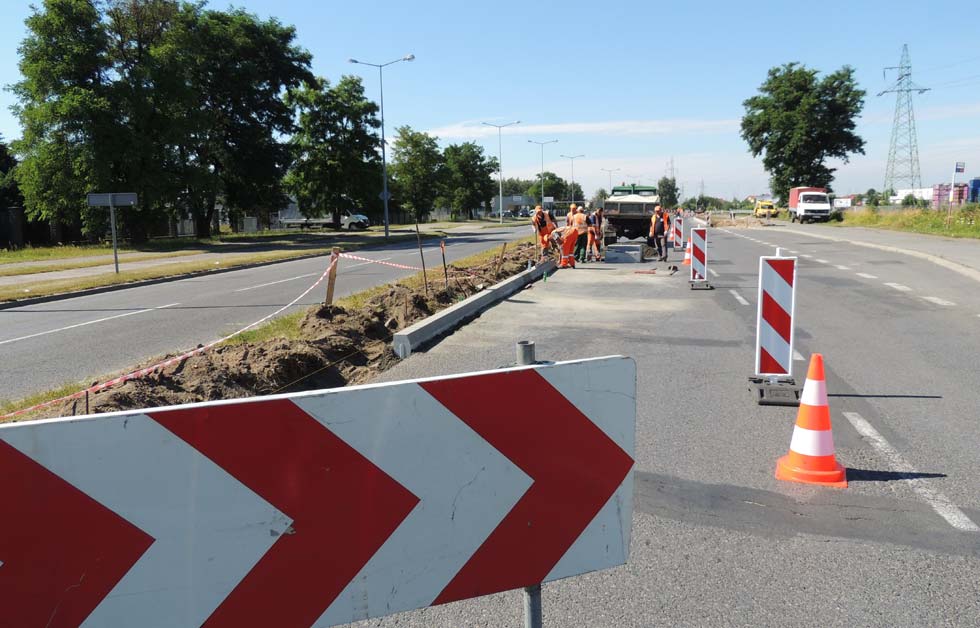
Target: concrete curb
column 411, row 338
column 962, row 269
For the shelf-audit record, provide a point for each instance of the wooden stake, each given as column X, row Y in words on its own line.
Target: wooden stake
column 332, row 275
column 425, row 278
column 445, row 269
column 500, row 260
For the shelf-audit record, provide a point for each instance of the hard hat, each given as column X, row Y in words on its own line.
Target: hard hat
column 537, row 208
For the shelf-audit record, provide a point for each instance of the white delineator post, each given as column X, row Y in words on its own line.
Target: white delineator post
column 774, row 319
column 699, row 256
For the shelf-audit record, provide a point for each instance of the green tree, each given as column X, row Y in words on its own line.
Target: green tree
column 236, row 69
column 9, row 192
column 554, row 186
column 417, row 170
column 573, row 191
column 468, row 181
column 668, row 192
column 798, row 121
column 871, row 198
column 599, row 197
column 514, row 186
column 337, row 165
column 63, row 108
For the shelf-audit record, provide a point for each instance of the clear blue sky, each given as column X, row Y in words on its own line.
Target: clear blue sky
column 628, row 84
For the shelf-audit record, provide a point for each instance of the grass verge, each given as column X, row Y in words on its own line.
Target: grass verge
column 963, row 223
column 61, row 286
column 88, row 263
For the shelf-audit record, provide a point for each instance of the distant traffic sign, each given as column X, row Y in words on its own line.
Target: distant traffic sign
column 119, row 199
column 323, row 507
column 385, row 196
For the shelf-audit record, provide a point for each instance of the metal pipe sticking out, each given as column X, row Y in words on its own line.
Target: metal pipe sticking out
column 525, row 352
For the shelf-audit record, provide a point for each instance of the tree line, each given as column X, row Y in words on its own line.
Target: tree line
column 200, row 111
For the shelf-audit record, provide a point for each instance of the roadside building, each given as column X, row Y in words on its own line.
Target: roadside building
column 940, row 194
column 974, row 187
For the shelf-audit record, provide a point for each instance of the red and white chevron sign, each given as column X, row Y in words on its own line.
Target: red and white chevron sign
column 699, row 254
column 678, row 231
column 774, row 321
column 318, row 508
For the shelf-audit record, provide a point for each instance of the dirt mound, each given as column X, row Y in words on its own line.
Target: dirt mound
column 337, row 346
column 740, row 222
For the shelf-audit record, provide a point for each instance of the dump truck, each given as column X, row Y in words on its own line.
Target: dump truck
column 627, row 212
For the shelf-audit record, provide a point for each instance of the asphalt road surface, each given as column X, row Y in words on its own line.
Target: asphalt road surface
column 717, row 540
column 47, row 345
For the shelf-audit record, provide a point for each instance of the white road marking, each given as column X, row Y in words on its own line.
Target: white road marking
column 798, row 356
column 899, row 287
column 939, row 502
column 272, row 283
column 792, row 251
column 866, row 275
column 838, row 267
column 938, row 301
column 822, row 261
column 712, row 271
column 806, row 256
column 98, row 320
column 739, row 297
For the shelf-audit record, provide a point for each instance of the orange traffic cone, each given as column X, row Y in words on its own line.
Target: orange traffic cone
column 811, row 456
column 687, row 253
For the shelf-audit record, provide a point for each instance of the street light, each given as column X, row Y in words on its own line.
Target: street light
column 500, row 164
column 573, row 158
column 542, row 145
column 610, row 171
column 384, row 152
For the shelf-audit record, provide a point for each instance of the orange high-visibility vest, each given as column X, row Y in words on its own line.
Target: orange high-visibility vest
column 653, row 223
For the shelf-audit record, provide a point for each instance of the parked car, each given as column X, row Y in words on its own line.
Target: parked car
column 525, row 213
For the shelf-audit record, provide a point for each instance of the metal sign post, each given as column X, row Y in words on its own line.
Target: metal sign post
column 123, row 199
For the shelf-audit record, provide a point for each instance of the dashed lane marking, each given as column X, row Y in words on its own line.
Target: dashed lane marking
column 839, row 267
column 739, row 297
column 712, row 271
column 866, row 275
column 822, row 261
column 939, row 301
column 798, row 356
column 899, row 287
column 806, row 256
column 98, row 320
column 792, row 251
column 939, row 502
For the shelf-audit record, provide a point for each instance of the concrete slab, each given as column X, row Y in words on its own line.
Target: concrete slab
column 624, row 253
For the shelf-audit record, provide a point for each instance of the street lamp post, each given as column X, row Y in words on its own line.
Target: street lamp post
column 572, row 158
column 384, row 146
column 500, row 164
column 542, row 145
column 610, row 171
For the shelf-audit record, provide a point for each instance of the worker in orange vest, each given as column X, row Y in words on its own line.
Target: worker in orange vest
column 543, row 226
column 659, row 227
column 570, row 215
column 569, row 236
column 580, row 223
column 595, row 235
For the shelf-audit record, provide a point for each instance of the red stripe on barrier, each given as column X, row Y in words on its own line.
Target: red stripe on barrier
column 778, row 318
column 784, row 268
column 768, row 364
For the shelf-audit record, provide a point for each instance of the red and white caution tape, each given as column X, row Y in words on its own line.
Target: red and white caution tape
column 375, row 261
column 143, row 372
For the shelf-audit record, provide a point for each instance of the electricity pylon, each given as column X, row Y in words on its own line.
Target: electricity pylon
column 903, row 153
